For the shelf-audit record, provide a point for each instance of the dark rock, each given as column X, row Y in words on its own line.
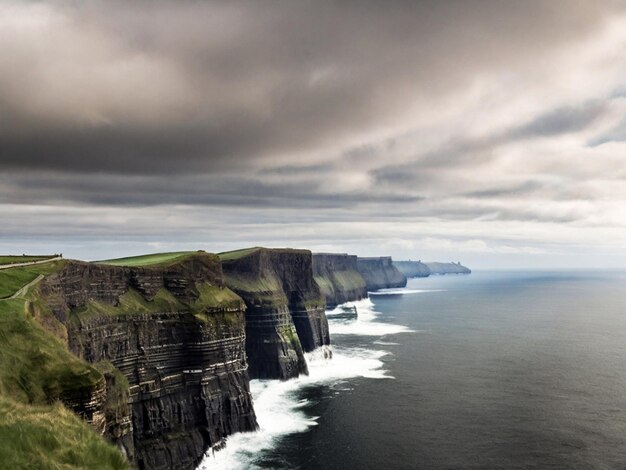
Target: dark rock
column 285, row 313
column 177, row 384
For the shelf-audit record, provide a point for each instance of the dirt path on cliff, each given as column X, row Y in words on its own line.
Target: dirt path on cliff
column 29, row 263
column 24, row 289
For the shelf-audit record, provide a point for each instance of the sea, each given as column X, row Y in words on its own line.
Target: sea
column 502, row 369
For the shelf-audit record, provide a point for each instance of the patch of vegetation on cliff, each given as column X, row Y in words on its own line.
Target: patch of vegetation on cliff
column 132, row 302
column 262, row 291
column 51, row 437
column 215, row 297
column 342, row 280
column 288, row 334
column 13, row 279
column 349, row 280
column 117, row 403
column 148, row 260
column 324, row 284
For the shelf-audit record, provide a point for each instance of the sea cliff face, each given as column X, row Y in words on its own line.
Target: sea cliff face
column 338, row 278
column 379, row 273
column 448, row 268
column 412, row 268
column 169, row 341
column 285, row 313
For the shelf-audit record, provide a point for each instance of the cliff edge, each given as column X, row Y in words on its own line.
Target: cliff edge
column 168, row 340
column 285, row 313
column 338, row 277
column 412, row 268
column 448, row 268
column 380, row 273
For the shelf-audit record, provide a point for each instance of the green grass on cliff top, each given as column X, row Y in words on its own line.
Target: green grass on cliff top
column 236, row 254
column 13, row 279
column 148, row 260
column 14, row 259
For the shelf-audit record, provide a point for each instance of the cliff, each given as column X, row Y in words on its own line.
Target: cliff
column 412, row 268
column 448, row 268
column 338, row 277
column 379, row 273
column 168, row 341
column 285, row 313
column 37, row 374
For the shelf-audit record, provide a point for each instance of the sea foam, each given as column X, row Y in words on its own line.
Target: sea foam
column 365, row 324
column 279, row 409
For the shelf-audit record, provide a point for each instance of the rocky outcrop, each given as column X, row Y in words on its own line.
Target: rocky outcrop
column 448, row 268
column 285, row 313
column 412, row 268
column 338, row 277
column 170, row 342
column 379, row 273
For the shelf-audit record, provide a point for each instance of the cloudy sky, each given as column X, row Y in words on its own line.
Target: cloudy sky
column 488, row 131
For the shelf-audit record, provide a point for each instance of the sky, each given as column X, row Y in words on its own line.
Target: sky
column 485, row 131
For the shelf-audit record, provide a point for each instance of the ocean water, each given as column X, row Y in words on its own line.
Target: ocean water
column 492, row 370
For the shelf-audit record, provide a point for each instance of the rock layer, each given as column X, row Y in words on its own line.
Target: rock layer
column 412, row 268
column 285, row 313
column 338, row 278
column 380, row 273
column 170, row 341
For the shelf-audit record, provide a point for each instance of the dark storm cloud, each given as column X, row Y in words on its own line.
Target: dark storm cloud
column 371, row 124
column 466, row 151
column 162, row 87
column 560, row 121
column 115, row 190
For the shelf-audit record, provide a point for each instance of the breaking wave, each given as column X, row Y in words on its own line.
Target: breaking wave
column 278, row 406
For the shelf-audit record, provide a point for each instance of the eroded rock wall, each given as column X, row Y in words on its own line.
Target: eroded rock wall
column 380, row 273
column 285, row 314
column 338, row 278
column 178, row 382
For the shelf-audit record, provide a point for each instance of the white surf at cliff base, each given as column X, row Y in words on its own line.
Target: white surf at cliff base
column 279, row 410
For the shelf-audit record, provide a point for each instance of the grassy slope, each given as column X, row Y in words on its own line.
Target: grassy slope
column 132, row 302
column 148, row 260
column 13, row 279
column 50, row 437
column 36, row 370
column 215, row 297
column 324, row 284
column 13, row 259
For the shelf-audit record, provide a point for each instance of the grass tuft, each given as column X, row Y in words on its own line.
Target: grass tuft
column 50, row 437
